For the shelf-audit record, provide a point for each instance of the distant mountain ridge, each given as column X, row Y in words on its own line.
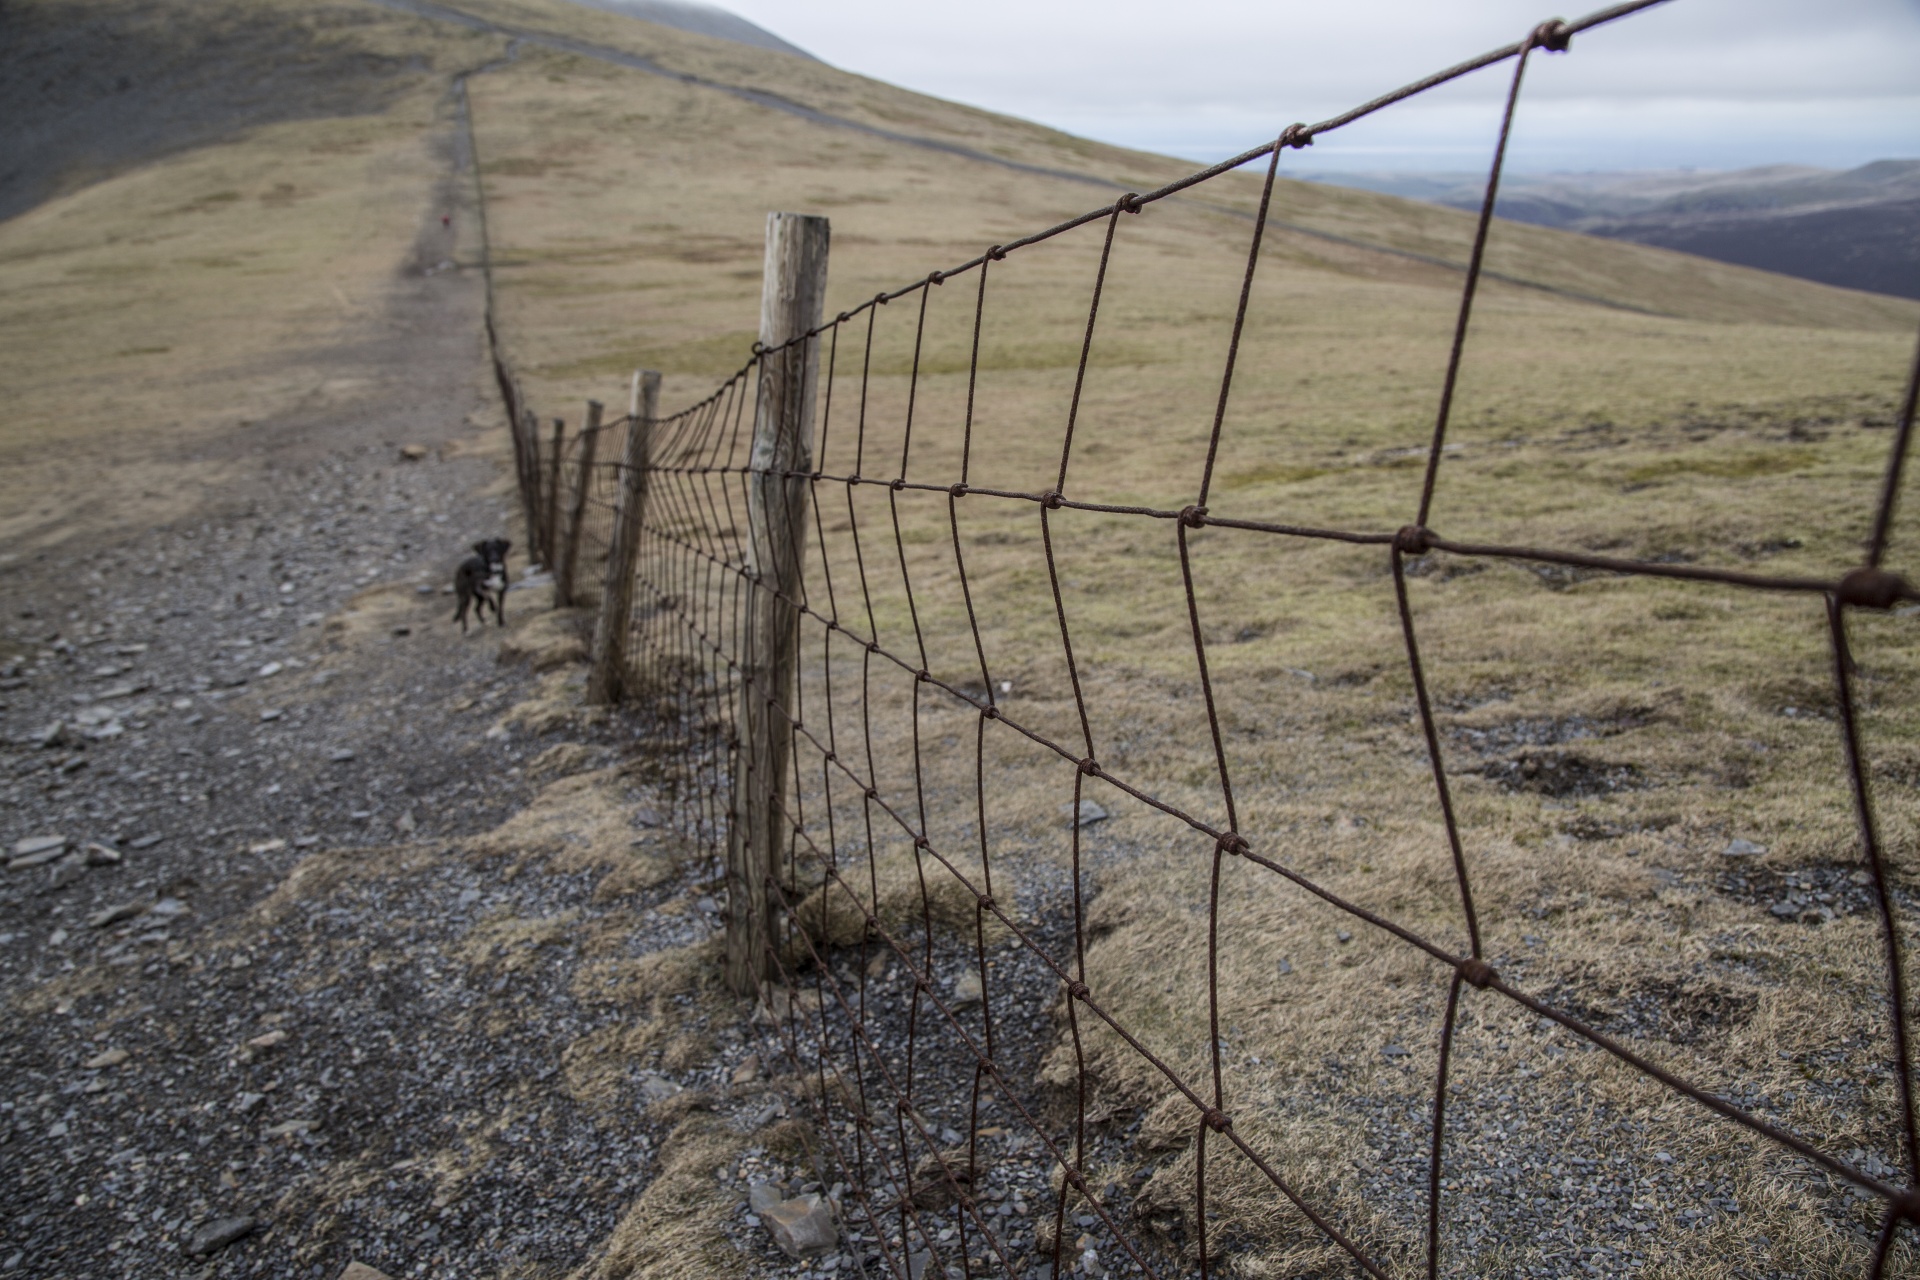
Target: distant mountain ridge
column 1856, row 228
column 701, row 19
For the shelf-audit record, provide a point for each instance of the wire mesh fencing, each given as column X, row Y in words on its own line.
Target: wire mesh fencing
column 957, row 744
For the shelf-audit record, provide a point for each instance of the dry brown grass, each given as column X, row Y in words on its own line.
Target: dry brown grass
column 1714, row 415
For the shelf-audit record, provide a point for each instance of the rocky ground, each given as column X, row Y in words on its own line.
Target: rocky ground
column 313, row 906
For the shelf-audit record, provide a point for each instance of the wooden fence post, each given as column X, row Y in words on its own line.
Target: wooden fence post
column 607, row 681
column 793, row 289
column 550, row 514
column 582, row 487
column 529, row 433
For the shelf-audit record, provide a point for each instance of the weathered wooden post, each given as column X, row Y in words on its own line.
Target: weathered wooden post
column 582, row 488
column 607, row 681
column 550, row 516
column 792, row 291
column 529, row 430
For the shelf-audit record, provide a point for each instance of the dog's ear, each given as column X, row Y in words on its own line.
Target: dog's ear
column 480, row 549
column 505, row 546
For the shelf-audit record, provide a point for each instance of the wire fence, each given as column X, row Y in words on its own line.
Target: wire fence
column 892, row 879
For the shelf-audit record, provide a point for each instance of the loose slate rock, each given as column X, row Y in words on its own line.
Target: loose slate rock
column 216, row 1236
column 357, row 1270
column 32, row 845
column 1743, row 849
column 656, row 1088
column 114, row 915
column 1088, row 814
column 802, row 1227
column 111, row 1058
column 967, row 989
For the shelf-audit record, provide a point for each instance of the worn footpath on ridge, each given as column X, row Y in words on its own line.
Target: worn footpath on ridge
column 344, row 950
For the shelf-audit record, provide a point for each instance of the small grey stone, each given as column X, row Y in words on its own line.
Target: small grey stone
column 167, row 908
column 656, row 1087
column 1088, row 814
column 217, row 1235
column 101, row 855
column 145, row 842
column 114, row 915
column 1785, row 910
column 35, row 859
column 340, row 755
column 1341, row 935
column 967, row 989
column 31, row 845
column 1393, row 1051
column 802, row 1227
column 290, row 1127
column 1743, row 849
column 762, row 1196
column 469, row 896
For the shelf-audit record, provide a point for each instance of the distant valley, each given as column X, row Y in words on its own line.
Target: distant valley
column 1856, row 228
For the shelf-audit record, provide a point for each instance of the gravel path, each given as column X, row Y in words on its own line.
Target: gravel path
column 273, row 1004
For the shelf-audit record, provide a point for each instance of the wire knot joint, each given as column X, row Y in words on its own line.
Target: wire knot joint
column 956, row 490
column 1553, row 35
column 1234, row 843
column 1217, row 1120
column 1193, row 516
column 1413, row 540
column 1478, row 972
column 1078, row 990
column 1295, row 136
column 1089, row 766
column 1128, row 203
column 1052, row 499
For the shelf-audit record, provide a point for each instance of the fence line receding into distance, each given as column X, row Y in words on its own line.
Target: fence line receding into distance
column 741, row 658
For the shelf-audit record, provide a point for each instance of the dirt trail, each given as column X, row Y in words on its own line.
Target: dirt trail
column 307, row 965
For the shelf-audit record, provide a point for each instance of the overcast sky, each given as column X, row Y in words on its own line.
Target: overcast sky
column 1701, row 83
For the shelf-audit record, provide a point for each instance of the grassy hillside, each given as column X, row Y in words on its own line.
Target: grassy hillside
column 1679, row 410
column 177, row 295
column 1615, row 398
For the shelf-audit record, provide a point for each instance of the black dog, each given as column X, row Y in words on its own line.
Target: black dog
column 481, row 580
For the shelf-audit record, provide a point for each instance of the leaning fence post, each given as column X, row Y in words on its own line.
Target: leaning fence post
column 791, row 294
column 550, row 507
column 607, row 681
column 582, row 486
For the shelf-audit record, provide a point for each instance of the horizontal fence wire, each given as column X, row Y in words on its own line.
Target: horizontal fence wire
column 862, row 1016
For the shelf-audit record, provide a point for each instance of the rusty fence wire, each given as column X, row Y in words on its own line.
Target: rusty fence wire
column 910, row 1074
